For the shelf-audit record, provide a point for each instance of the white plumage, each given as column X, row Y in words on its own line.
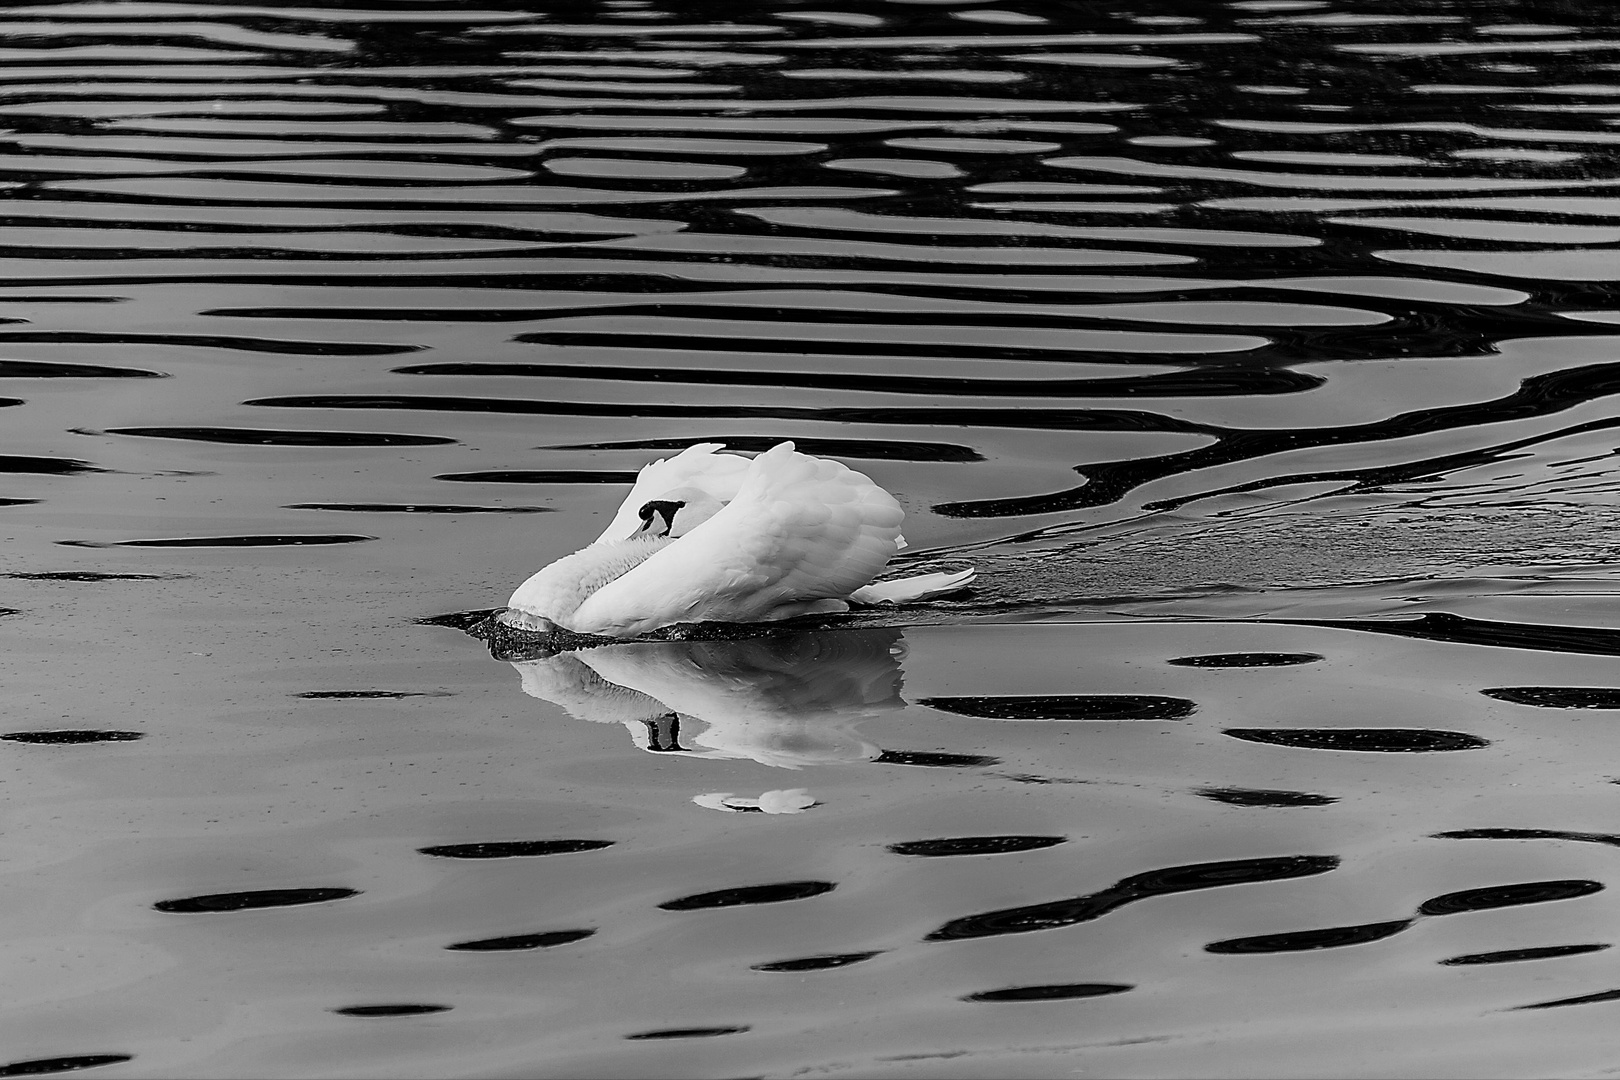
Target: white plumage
column 712, row 537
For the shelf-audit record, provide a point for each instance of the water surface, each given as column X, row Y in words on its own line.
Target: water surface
column 1261, row 359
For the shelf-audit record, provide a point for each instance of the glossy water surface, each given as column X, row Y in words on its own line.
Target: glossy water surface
column 1261, row 355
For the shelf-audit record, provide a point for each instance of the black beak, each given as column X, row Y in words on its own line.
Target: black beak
column 664, row 508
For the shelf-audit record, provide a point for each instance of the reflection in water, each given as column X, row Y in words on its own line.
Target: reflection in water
column 786, row 700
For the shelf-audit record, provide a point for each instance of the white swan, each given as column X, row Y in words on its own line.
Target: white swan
column 711, row 537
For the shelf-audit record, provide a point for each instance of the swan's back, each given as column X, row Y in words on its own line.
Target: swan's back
column 800, row 535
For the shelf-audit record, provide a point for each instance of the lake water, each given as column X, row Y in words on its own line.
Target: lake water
column 1260, row 355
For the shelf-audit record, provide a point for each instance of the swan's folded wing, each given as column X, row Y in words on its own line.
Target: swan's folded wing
column 799, row 529
column 699, row 466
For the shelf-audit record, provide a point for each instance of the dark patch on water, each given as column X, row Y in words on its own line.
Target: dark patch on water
column 539, row 476
column 514, row 849
column 283, row 437
column 361, row 695
column 1333, row 937
column 391, row 1010
column 248, row 901
column 1205, row 382
column 975, row 845
column 1558, row 697
column 1514, row 956
column 1260, row 797
column 264, row 540
column 1442, row 626
column 749, row 894
column 89, row 575
column 1174, row 879
column 211, row 341
column 1364, row 740
column 935, row 759
column 1053, row 992
column 72, row 736
column 1498, row 896
column 1246, row 660
column 862, row 449
column 1024, row 418
column 18, row 502
column 1584, row 999
column 1611, row 839
column 1066, row 707
column 43, row 369
column 418, row 508
column 691, row 1033
column 44, row 466
column 550, row 939
column 817, row 963
column 44, row 1066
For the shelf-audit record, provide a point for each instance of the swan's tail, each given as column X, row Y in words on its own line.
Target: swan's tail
column 907, row 590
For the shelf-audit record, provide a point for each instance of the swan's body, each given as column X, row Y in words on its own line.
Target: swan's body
column 711, row 537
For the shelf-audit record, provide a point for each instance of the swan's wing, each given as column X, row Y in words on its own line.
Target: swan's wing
column 697, row 466
column 800, row 528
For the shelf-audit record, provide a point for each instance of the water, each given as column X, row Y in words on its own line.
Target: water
column 1261, row 359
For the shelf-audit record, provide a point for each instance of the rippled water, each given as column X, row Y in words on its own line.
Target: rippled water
column 1260, row 355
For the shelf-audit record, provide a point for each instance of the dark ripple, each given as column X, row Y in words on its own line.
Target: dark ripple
column 418, row 508
column 1365, row 740
column 749, row 894
column 1558, row 697
column 1260, row 797
column 43, row 1066
column 514, row 849
column 1514, row 956
column 539, row 476
column 863, row 449
column 72, row 736
column 88, row 575
column 248, row 901
column 1202, row 383
column 1304, row 940
column 212, row 341
column 391, row 1010
column 520, row 942
column 975, row 845
column 367, row 695
column 283, row 437
column 935, row 759
column 1174, row 879
column 44, row 369
column 23, row 463
column 263, row 540
column 1066, row 707
column 1612, row 839
column 1246, row 660
column 1053, row 992
column 1584, row 999
column 1026, row 418
column 1443, row 626
column 691, row 1033
column 817, row 963
column 1497, row 896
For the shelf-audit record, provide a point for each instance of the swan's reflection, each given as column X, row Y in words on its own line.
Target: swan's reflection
column 786, row 700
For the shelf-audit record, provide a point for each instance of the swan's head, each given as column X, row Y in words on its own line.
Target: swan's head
column 676, row 513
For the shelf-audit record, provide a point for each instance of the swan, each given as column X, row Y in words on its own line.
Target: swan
column 712, row 537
